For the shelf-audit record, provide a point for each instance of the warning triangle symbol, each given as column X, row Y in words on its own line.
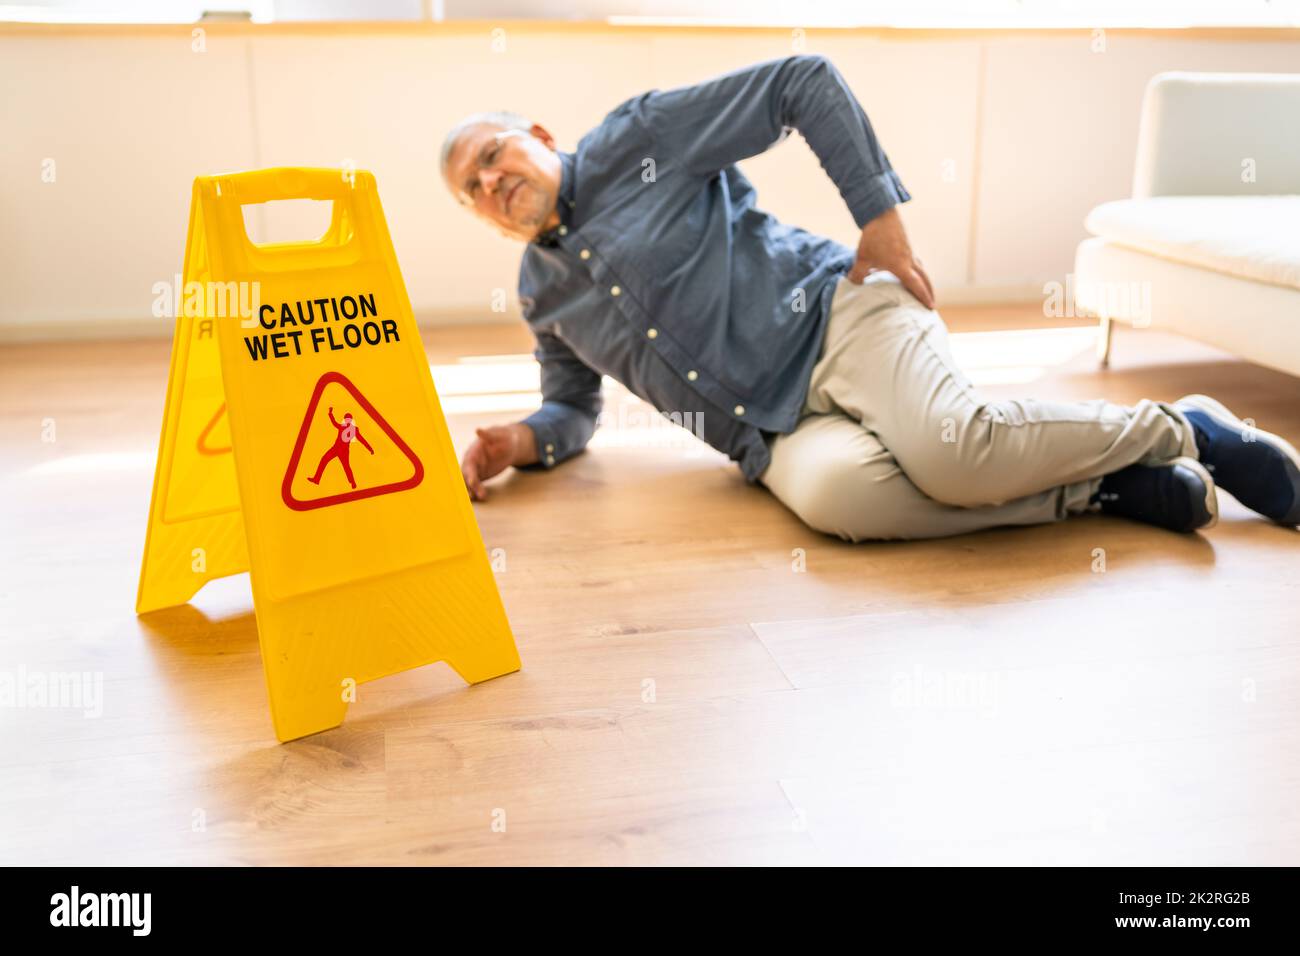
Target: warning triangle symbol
column 205, row 445
column 355, row 494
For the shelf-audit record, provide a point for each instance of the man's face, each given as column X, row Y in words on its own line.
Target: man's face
column 511, row 178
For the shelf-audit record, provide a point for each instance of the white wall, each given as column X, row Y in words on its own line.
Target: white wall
column 1034, row 129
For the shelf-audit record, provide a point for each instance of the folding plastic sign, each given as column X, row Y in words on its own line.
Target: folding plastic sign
column 303, row 442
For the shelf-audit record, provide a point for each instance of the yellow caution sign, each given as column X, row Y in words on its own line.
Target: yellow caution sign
column 303, row 442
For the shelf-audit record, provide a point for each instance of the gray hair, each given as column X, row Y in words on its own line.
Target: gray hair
column 502, row 118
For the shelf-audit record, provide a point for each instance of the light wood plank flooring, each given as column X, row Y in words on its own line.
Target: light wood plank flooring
column 705, row 680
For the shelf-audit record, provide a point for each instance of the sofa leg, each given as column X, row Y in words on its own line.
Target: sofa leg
column 1103, row 340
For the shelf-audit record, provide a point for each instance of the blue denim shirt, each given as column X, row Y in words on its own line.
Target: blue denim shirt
column 664, row 275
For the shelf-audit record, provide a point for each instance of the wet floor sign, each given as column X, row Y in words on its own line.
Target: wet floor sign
column 303, row 442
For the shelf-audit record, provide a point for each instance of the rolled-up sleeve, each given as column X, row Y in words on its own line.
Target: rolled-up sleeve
column 712, row 125
column 571, row 402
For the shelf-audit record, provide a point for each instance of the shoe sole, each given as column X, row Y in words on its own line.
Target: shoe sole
column 1211, row 496
column 1217, row 410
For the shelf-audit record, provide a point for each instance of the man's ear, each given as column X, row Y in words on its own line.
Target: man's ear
column 541, row 132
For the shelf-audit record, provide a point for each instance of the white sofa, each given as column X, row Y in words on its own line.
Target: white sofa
column 1209, row 245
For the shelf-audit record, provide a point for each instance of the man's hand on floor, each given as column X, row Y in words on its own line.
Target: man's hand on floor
column 496, row 448
column 884, row 247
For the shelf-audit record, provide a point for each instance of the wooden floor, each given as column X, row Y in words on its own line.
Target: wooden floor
column 705, row 680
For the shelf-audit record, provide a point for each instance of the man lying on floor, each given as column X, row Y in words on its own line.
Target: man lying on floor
column 824, row 373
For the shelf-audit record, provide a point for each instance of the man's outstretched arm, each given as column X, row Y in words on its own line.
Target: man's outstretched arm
column 571, row 402
column 705, row 128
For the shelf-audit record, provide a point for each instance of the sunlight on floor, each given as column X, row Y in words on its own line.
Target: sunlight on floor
column 488, row 384
column 1020, row 356
column 508, row 386
column 94, row 464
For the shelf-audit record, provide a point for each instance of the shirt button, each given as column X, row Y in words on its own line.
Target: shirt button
column 651, row 333
column 692, row 375
column 550, row 459
column 564, row 230
column 615, row 290
column 739, row 410
column 549, row 448
column 585, row 254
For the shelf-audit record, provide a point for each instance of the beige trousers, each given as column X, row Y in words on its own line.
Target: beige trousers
column 895, row 442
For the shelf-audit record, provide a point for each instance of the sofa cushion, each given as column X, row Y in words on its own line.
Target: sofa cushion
column 1251, row 237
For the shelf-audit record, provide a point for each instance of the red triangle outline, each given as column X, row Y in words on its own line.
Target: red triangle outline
column 286, row 487
column 207, row 433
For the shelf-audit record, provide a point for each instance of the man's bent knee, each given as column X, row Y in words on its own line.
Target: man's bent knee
column 954, row 470
column 848, row 500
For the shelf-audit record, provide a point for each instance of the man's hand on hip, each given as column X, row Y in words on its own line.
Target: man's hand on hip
column 884, row 247
column 496, row 448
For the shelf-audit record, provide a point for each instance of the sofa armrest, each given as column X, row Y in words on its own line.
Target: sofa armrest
column 1219, row 134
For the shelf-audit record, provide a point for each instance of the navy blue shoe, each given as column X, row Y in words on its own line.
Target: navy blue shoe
column 1179, row 496
column 1258, row 468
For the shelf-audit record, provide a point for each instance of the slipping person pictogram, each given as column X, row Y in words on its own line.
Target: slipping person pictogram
column 384, row 474
column 348, row 433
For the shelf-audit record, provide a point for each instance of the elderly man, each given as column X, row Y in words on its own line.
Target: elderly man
column 822, row 371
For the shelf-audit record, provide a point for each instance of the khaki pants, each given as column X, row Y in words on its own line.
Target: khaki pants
column 895, row 442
